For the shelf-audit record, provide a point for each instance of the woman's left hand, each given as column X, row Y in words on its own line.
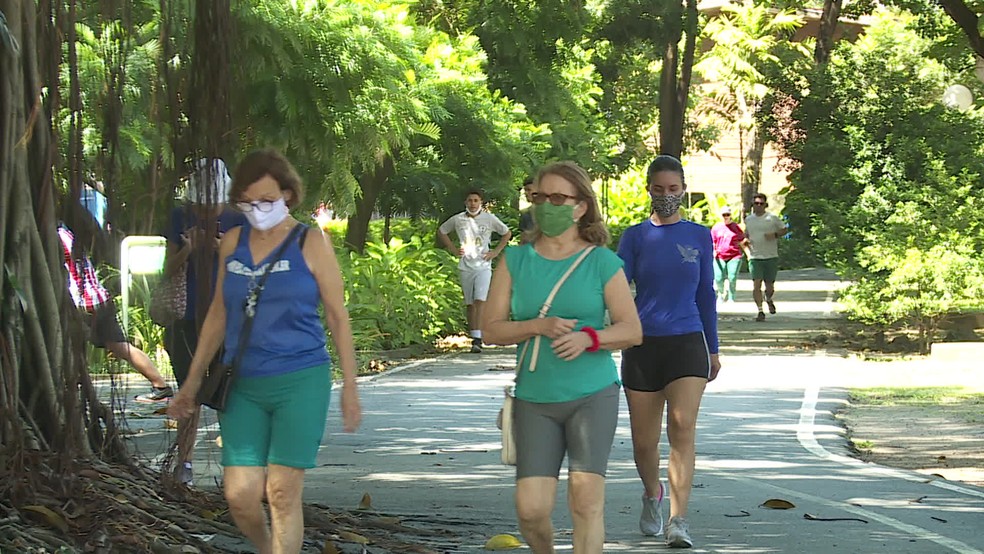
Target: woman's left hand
column 571, row 345
column 715, row 367
column 351, row 410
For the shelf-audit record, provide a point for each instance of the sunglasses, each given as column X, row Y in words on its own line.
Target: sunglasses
column 759, row 203
column 557, row 198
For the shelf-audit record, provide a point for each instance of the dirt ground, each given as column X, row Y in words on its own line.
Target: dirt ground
column 945, row 439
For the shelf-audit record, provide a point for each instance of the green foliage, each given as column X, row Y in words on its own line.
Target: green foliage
column 626, row 203
column 889, row 180
column 332, row 83
column 402, row 294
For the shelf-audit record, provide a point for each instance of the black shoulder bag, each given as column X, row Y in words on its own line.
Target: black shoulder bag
column 218, row 378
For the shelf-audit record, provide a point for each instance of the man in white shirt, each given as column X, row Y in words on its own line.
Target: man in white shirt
column 762, row 233
column 474, row 228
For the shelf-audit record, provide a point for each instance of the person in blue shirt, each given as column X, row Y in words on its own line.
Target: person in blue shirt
column 566, row 381
column 193, row 233
column 670, row 260
column 275, row 414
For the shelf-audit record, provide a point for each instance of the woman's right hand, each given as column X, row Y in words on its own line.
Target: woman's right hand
column 183, row 404
column 556, row 327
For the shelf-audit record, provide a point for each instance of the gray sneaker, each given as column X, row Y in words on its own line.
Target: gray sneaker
column 186, row 475
column 678, row 533
column 651, row 520
column 156, row 394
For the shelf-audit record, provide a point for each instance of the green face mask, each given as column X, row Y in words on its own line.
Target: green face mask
column 553, row 220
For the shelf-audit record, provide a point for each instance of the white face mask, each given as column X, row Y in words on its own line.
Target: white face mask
column 262, row 221
column 473, row 213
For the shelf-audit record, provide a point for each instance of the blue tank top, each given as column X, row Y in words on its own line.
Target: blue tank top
column 287, row 332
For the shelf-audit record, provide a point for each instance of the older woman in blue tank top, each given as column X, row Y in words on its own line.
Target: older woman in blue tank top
column 275, row 415
column 566, row 383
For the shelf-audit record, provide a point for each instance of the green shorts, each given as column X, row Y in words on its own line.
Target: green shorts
column 276, row 420
column 764, row 270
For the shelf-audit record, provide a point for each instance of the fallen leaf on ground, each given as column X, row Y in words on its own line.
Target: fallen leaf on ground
column 49, row 517
column 777, row 504
column 503, row 542
column 330, row 548
column 366, row 502
column 352, row 537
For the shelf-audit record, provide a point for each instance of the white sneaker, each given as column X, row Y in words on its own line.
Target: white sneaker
column 678, row 533
column 651, row 520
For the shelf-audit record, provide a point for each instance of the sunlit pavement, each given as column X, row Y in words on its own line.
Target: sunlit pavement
column 428, row 450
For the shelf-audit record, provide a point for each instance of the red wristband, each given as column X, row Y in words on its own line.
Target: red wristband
column 595, row 342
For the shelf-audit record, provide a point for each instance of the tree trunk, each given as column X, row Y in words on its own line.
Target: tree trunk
column 674, row 83
column 828, row 26
column 967, row 20
column 371, row 185
column 751, row 173
column 46, row 400
column 670, row 137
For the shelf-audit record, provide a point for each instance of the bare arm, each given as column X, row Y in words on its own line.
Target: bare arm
column 320, row 255
column 503, row 242
column 498, row 328
column 624, row 331
column 174, row 257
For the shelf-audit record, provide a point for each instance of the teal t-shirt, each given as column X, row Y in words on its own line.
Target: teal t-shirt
column 582, row 297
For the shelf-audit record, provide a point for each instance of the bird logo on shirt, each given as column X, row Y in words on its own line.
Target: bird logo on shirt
column 688, row 253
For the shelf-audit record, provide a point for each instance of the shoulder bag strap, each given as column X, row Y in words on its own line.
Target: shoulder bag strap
column 546, row 308
column 248, row 322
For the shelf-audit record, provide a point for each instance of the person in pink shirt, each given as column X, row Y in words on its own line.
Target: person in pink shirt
column 727, row 237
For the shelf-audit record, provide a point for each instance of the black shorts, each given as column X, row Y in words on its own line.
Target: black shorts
column 180, row 341
column 658, row 361
column 104, row 327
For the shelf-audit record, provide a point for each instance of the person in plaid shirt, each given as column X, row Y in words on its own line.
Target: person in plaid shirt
column 90, row 296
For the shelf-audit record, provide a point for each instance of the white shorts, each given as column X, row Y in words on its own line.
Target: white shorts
column 475, row 284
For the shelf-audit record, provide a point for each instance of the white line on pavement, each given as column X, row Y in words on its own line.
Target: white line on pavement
column 806, row 437
column 916, row 532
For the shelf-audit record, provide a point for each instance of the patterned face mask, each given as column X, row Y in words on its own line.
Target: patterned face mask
column 665, row 205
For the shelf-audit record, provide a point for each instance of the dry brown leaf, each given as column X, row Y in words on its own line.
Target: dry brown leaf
column 330, row 548
column 352, row 537
column 366, row 502
column 161, row 411
column 778, row 504
column 170, row 423
column 49, row 517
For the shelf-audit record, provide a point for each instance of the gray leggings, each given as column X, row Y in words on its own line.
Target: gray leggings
column 582, row 428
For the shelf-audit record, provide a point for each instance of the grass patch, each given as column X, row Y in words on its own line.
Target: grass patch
column 863, row 444
column 915, row 396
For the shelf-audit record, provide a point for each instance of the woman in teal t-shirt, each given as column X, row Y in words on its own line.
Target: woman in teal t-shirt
column 567, row 400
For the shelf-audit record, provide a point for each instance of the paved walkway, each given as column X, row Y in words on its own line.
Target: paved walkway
column 428, row 450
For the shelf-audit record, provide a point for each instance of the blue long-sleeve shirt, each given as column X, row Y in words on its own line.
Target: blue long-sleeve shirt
column 671, row 266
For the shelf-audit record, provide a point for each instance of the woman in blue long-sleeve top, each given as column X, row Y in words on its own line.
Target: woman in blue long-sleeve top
column 671, row 262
